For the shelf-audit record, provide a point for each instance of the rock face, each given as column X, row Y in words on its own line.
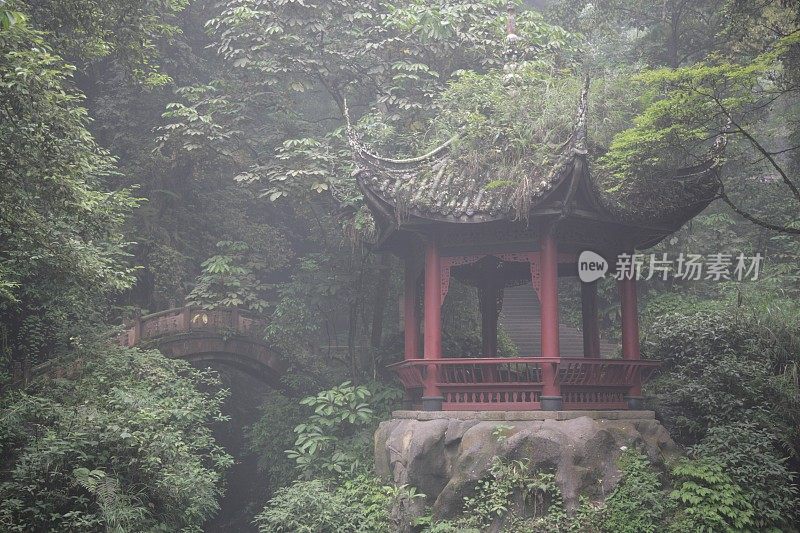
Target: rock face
column 443, row 455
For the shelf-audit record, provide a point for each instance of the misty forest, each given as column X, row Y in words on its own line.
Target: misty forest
column 321, row 266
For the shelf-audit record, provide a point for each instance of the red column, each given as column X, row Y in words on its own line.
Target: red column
column 591, row 331
column 410, row 319
column 630, row 335
column 548, row 260
column 432, row 397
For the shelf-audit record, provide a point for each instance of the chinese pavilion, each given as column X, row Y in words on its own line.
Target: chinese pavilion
column 442, row 225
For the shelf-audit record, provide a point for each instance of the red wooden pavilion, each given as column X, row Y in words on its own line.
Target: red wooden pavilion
column 444, row 225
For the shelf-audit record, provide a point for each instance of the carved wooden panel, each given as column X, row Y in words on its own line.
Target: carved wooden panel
column 536, row 276
column 447, row 263
column 532, row 258
column 458, row 260
column 444, row 284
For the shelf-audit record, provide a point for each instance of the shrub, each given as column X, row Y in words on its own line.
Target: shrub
column 511, row 493
column 272, row 434
column 725, row 388
column 126, row 445
column 749, row 455
column 303, row 507
column 333, row 440
column 717, row 368
column 317, row 506
column 637, row 503
column 709, row 500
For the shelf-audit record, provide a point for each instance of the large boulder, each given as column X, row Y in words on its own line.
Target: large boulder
column 443, row 454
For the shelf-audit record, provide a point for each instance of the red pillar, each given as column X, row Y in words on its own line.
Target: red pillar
column 548, row 260
column 591, row 331
column 410, row 319
column 630, row 335
column 431, row 396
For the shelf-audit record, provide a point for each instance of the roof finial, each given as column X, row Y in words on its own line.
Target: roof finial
column 511, row 23
column 512, row 55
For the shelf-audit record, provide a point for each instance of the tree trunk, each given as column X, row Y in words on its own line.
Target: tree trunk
column 672, row 40
column 381, row 295
column 352, row 329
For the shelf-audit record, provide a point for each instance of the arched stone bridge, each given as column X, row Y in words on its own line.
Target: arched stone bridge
column 227, row 336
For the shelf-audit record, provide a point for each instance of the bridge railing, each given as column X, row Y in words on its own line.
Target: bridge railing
column 186, row 319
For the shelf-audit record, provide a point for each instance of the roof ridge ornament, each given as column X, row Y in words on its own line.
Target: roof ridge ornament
column 512, row 54
column 362, row 151
column 721, row 142
column 412, row 161
column 511, row 23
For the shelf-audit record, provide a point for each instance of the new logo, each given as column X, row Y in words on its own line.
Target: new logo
column 591, row 266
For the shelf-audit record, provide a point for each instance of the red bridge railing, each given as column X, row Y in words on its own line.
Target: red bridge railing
column 187, row 319
column 516, row 383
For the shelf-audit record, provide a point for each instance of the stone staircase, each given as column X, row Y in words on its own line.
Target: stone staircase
column 520, row 319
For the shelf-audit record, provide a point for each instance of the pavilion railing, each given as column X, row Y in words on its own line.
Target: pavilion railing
column 516, row 383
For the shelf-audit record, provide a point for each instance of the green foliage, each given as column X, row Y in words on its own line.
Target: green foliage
column 63, row 252
column 401, row 45
column 719, row 367
column 512, row 492
column 263, row 104
column 753, row 458
column 509, row 129
column 319, row 288
column 429, row 525
column 330, row 442
column 709, row 499
column 305, row 506
column 9, row 18
column 299, row 167
column 317, row 506
column 726, row 387
column 685, row 109
column 502, row 432
column 272, row 434
column 388, row 59
column 125, row 33
column 637, row 503
column 123, row 444
column 230, row 280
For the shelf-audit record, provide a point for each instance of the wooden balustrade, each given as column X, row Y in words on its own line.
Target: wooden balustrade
column 516, row 383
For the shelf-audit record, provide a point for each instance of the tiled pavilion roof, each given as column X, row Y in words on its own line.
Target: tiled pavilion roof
column 432, row 187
